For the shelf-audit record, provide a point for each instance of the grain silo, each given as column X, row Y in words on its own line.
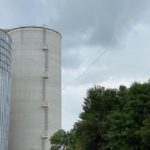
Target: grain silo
column 36, row 87
column 5, row 85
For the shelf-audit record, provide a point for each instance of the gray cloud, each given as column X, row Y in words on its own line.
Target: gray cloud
column 88, row 27
column 129, row 60
column 103, row 19
column 98, row 22
column 81, row 22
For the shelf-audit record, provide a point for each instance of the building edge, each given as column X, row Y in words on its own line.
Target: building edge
column 38, row 27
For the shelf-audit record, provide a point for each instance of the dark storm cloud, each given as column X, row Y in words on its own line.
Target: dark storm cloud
column 81, row 22
column 102, row 21
column 96, row 22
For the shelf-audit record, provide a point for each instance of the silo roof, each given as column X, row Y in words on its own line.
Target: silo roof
column 23, row 27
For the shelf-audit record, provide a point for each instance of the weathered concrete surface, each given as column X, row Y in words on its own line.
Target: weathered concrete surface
column 36, row 88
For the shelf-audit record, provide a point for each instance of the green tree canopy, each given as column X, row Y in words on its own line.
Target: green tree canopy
column 112, row 119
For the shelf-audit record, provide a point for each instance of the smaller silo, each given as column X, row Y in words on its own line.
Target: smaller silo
column 5, row 68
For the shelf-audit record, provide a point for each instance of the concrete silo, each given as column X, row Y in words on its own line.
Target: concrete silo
column 36, row 87
column 5, row 85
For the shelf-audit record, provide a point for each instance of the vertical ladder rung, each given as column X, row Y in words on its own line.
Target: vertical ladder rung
column 45, row 48
column 45, row 75
column 45, row 104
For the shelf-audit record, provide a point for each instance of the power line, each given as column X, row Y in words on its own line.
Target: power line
column 87, row 68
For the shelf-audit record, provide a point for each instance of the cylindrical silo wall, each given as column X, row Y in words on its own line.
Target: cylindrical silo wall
column 5, row 85
column 36, row 88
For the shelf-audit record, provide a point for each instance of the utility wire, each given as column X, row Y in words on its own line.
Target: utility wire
column 87, row 68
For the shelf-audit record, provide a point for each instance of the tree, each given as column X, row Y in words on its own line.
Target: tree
column 127, row 120
column 62, row 140
column 112, row 119
column 59, row 140
column 92, row 128
column 145, row 132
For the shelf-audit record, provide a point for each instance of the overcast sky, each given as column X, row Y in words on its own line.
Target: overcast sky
column 105, row 42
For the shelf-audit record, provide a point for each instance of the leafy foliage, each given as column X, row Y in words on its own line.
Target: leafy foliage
column 145, row 132
column 112, row 119
column 62, row 140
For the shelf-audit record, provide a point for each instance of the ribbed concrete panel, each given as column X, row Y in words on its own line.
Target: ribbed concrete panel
column 36, row 88
column 5, row 84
